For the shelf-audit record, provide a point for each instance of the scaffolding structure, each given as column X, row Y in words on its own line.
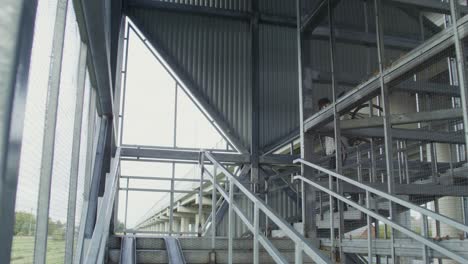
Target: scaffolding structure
column 342, row 126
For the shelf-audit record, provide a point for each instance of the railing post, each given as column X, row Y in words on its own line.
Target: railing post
column 213, row 208
column 200, row 195
column 298, row 253
column 256, row 233
column 369, row 229
column 230, row 220
column 424, row 230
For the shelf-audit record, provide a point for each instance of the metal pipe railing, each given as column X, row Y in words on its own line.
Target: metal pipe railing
column 424, row 212
column 301, row 243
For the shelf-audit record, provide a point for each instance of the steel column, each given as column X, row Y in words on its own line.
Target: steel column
column 200, row 195
column 75, row 155
column 256, row 234
column 337, row 135
column 230, row 221
column 91, row 147
column 213, row 209
column 17, row 30
column 460, row 56
column 47, row 160
column 96, row 176
column 386, row 112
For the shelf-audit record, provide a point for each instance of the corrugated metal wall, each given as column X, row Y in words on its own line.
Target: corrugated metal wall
column 279, row 91
column 234, row 5
column 214, row 52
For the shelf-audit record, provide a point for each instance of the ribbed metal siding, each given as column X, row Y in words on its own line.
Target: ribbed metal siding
column 234, row 5
column 279, row 110
column 214, row 52
column 278, row 7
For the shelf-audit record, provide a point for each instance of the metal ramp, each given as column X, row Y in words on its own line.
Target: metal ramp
column 174, row 251
column 128, row 250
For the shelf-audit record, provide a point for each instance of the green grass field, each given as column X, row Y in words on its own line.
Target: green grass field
column 23, row 250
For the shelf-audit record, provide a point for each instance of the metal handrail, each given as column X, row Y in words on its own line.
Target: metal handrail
column 387, row 221
column 301, row 244
column 417, row 208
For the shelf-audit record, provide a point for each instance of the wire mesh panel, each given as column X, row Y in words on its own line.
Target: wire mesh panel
column 30, row 163
column 86, row 153
column 63, row 141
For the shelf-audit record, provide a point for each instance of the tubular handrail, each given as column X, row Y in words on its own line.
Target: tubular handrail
column 301, row 243
column 98, row 240
column 417, row 208
column 387, row 221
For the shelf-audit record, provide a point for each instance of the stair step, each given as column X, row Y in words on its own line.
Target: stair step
column 202, row 256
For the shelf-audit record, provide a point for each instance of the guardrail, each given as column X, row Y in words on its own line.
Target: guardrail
column 301, row 243
column 366, row 210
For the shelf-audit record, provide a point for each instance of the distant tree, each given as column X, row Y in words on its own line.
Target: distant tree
column 25, row 224
column 120, row 227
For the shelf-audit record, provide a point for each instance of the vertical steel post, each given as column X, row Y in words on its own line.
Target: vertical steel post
column 213, row 209
column 461, row 67
column 337, row 130
column 256, row 234
column 230, row 221
column 255, row 62
column 174, row 143
column 386, row 115
column 298, row 259
column 200, row 194
column 124, row 85
column 369, row 229
column 93, row 135
column 425, row 233
column 75, row 155
column 17, row 30
column 126, row 205
column 42, row 223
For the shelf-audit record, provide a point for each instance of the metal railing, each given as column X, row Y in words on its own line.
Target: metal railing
column 368, row 211
column 301, row 243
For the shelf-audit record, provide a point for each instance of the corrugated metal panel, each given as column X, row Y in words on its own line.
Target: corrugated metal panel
column 234, row 5
column 279, row 110
column 277, row 7
column 214, row 52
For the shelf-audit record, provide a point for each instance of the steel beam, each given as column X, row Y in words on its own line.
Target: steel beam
column 48, row 145
column 168, row 154
column 409, row 134
column 401, row 119
column 17, row 29
column 93, row 31
column 350, row 36
column 426, row 5
column 319, row 13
